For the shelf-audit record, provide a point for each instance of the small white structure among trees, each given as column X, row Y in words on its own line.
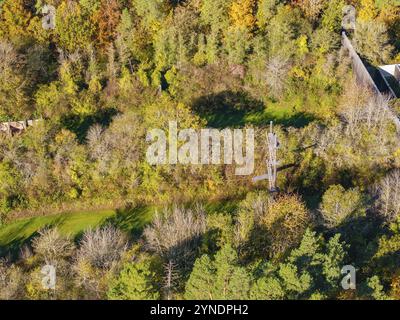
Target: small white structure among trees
column 391, row 75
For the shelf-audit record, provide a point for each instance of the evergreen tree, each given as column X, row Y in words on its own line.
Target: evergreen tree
column 200, row 58
column 215, row 13
column 311, row 271
column 218, row 279
column 231, row 280
column 151, row 12
column 201, row 281
column 266, row 10
column 136, row 281
column 237, row 44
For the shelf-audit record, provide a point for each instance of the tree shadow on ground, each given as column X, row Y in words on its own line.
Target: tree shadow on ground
column 81, row 124
column 132, row 220
column 361, row 235
column 12, row 248
column 236, row 109
column 226, row 109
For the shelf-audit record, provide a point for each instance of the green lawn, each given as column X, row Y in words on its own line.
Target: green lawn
column 15, row 234
column 132, row 221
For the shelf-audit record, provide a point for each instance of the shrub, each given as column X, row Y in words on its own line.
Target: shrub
column 176, row 235
column 102, row 247
column 51, row 246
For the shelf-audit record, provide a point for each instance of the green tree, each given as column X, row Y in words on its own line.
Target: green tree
column 332, row 16
column 377, row 290
column 200, row 58
column 218, row 278
column 215, row 13
column 232, row 282
column 267, row 288
column 74, row 27
column 175, row 41
column 136, row 281
column 324, row 41
column 266, row 10
column 201, row 280
column 151, row 12
column 283, row 30
column 339, row 205
column 237, row 44
column 10, row 180
column 14, row 21
column 311, row 271
column 372, row 41
column 13, row 84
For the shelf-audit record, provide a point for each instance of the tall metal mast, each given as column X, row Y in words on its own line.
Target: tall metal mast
column 272, row 163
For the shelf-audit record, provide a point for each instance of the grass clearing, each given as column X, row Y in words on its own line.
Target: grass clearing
column 132, row 221
column 15, row 234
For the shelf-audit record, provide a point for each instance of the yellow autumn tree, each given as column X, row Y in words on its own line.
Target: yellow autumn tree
column 14, row 21
column 390, row 15
column 311, row 8
column 368, row 10
column 241, row 13
column 75, row 28
column 285, row 221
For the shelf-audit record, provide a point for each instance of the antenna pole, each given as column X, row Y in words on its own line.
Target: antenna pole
column 272, row 163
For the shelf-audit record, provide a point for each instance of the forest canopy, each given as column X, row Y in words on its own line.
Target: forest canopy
column 111, row 70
